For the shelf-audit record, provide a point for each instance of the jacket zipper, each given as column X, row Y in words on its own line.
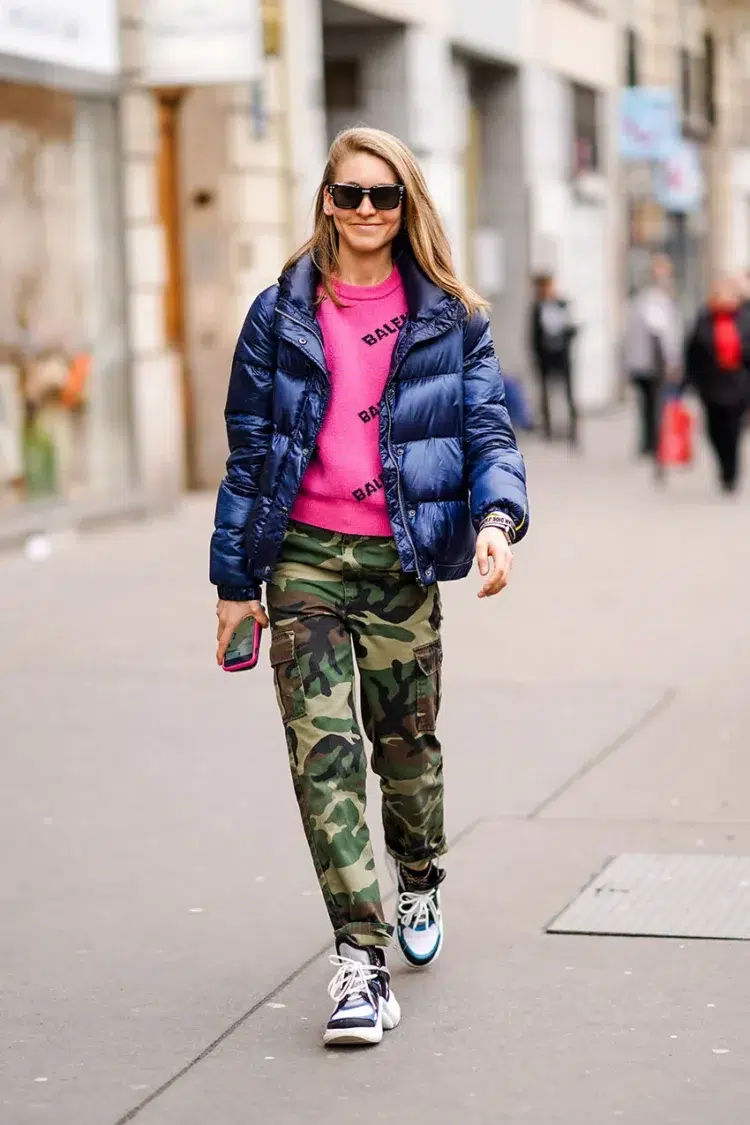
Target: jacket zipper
column 389, row 442
column 401, row 504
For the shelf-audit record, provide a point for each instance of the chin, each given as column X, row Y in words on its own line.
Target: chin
column 366, row 242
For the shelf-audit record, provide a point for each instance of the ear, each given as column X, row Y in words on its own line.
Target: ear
column 327, row 203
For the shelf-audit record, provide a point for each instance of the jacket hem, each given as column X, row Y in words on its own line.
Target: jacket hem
column 444, row 573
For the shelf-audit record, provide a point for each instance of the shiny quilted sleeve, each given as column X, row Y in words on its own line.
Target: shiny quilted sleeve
column 248, row 420
column 496, row 470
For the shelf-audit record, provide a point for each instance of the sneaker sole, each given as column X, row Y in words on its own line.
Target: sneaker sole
column 365, row 1036
column 352, row 1036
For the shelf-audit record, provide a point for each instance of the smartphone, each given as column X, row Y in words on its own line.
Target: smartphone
column 244, row 647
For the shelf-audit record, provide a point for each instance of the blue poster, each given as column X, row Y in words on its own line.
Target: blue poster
column 679, row 184
column 649, row 124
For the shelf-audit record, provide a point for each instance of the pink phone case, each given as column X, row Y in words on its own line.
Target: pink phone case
column 251, row 660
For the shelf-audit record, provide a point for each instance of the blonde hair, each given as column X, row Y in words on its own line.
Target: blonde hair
column 422, row 224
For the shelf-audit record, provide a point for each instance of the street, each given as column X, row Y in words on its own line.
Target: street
column 163, row 944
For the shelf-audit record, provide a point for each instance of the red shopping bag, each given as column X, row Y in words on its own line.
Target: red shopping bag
column 676, row 435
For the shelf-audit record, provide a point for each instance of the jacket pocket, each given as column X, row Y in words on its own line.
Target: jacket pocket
column 290, row 692
column 429, row 660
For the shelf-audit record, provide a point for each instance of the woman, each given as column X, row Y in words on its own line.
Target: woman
column 717, row 362
column 370, row 443
column 552, row 335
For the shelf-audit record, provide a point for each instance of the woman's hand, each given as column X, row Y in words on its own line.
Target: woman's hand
column 230, row 614
column 492, row 544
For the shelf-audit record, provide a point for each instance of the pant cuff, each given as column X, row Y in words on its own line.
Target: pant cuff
column 370, row 933
column 419, row 856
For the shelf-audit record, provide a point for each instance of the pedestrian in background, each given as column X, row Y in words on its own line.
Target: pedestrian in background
column 552, row 335
column 371, row 455
column 717, row 364
column 653, row 348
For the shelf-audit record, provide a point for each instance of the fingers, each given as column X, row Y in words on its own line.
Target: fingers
column 483, row 557
column 261, row 616
column 498, row 580
column 229, row 615
column 224, row 638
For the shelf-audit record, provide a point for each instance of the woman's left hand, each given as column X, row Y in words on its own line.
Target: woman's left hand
column 492, row 544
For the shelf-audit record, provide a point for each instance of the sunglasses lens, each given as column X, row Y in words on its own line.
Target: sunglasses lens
column 386, row 198
column 347, row 196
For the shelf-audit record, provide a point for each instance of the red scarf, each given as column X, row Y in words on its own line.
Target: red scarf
column 727, row 340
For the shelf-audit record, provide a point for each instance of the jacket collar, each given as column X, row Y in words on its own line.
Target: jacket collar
column 425, row 300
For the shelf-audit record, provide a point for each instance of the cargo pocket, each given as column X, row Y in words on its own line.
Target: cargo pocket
column 287, row 677
column 429, row 659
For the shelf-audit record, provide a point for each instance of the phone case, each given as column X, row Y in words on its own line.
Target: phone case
column 252, row 658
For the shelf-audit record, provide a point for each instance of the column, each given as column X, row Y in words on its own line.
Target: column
column 156, row 396
column 158, row 411
column 306, row 125
column 437, row 124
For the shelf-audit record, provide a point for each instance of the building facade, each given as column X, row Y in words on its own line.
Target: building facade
column 671, row 44
column 158, row 164
column 142, row 203
column 65, row 419
column 734, row 253
column 570, row 87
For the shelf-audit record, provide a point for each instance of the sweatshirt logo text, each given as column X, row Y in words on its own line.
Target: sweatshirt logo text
column 390, row 328
column 370, row 489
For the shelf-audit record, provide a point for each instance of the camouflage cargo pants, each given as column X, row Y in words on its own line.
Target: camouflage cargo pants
column 334, row 599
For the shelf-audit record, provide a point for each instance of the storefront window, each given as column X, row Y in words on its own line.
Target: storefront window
column 64, row 410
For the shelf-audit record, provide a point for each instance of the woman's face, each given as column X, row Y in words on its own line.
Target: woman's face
column 366, row 230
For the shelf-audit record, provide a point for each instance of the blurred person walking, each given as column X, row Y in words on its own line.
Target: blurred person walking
column 653, row 348
column 371, row 456
column 717, row 364
column 552, row 335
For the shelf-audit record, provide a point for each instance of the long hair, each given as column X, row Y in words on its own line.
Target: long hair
column 422, row 224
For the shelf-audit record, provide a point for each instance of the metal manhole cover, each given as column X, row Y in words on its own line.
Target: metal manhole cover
column 689, row 896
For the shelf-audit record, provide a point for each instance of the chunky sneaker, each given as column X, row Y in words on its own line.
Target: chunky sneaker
column 419, row 923
column 361, row 988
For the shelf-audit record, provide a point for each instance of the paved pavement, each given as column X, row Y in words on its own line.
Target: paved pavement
column 162, row 943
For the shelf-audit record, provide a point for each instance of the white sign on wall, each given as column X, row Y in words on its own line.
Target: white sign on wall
column 82, row 34
column 201, row 42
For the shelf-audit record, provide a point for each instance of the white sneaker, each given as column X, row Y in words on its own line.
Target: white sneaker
column 419, row 921
column 365, row 1004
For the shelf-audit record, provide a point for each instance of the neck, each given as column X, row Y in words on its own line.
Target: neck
column 364, row 269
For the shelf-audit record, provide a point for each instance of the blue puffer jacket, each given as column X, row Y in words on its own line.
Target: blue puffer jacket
column 447, row 446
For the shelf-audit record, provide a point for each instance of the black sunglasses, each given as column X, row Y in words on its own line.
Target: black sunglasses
column 384, row 197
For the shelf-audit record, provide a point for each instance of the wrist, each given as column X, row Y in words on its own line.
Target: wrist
column 238, row 593
column 500, row 521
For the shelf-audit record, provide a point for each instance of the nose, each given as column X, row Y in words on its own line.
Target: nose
column 365, row 208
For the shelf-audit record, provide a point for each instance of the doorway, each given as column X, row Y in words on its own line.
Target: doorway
column 169, row 102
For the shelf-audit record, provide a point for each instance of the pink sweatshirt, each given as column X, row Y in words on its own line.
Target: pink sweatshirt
column 342, row 489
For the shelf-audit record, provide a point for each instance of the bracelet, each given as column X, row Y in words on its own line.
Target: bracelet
column 502, row 522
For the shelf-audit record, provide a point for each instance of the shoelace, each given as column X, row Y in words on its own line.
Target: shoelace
column 352, row 977
column 417, row 909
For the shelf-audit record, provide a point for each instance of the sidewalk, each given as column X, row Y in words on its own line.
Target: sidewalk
column 160, row 917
